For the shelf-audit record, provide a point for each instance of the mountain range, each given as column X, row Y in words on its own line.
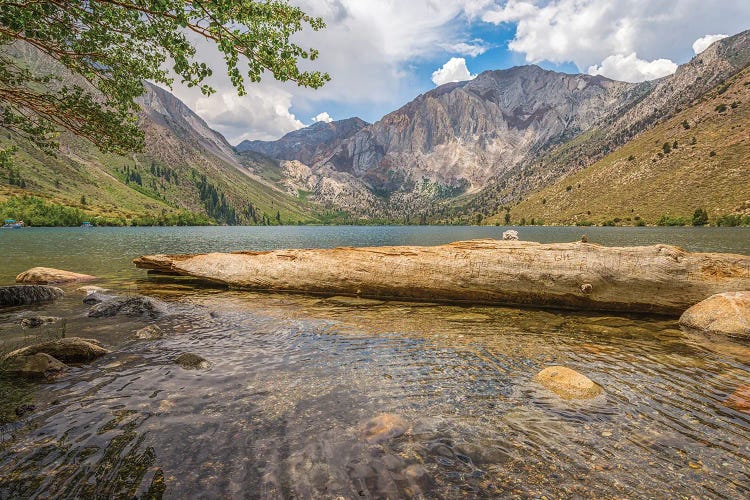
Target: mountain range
column 507, row 142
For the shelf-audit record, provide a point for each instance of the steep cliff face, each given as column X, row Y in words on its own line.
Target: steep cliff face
column 161, row 109
column 462, row 134
column 309, row 144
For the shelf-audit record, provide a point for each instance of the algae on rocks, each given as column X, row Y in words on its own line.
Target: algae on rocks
column 23, row 295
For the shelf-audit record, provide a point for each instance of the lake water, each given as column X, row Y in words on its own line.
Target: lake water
column 279, row 412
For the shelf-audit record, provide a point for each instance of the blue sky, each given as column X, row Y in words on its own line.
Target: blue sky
column 383, row 53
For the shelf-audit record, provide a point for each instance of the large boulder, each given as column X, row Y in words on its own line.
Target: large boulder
column 23, row 295
column 39, row 365
column 724, row 313
column 67, row 350
column 567, row 383
column 133, row 306
column 50, row 276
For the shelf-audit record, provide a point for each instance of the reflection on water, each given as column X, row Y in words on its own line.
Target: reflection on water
column 277, row 415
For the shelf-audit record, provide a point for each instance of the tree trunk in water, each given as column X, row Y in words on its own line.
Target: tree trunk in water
column 656, row 279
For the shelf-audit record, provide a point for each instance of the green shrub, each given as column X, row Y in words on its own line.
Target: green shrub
column 35, row 211
column 700, row 217
column 685, row 125
column 667, row 148
column 668, row 220
column 733, row 220
column 721, row 108
column 640, row 223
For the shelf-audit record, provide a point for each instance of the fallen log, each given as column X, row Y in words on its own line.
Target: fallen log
column 656, row 279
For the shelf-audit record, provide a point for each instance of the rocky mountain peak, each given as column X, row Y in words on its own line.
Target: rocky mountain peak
column 306, row 144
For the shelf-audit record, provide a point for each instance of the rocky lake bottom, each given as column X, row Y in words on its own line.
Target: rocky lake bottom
column 284, row 405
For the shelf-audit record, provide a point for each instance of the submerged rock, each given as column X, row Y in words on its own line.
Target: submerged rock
column 190, row 361
column 724, row 313
column 96, row 297
column 133, row 306
column 39, row 365
column 383, row 427
column 740, row 399
column 22, row 295
column 567, row 383
column 50, row 276
column 89, row 289
column 67, row 350
column 150, row 332
column 37, row 321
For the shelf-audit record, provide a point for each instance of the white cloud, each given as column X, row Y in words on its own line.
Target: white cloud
column 262, row 114
column 704, row 42
column 454, row 70
column 631, row 69
column 472, row 49
column 587, row 32
column 322, row 117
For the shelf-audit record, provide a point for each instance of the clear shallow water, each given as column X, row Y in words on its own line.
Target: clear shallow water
column 291, row 379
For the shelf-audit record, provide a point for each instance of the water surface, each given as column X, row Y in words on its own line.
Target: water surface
column 278, row 414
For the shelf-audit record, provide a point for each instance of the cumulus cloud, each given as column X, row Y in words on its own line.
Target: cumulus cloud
column 586, row 32
column 262, row 114
column 454, row 70
column 631, row 69
column 703, row 42
column 322, row 117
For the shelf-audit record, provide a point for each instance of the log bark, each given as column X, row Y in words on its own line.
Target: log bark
column 655, row 279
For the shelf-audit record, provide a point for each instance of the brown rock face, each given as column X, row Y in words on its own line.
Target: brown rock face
column 67, row 350
column 657, row 279
column 50, row 276
column 567, row 383
column 37, row 365
column 724, row 313
column 383, row 427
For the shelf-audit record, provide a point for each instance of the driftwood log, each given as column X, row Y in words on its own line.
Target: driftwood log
column 657, row 279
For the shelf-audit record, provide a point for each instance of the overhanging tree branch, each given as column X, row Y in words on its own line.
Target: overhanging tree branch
column 105, row 49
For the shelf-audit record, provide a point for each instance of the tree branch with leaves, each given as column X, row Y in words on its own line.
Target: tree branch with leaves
column 108, row 48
